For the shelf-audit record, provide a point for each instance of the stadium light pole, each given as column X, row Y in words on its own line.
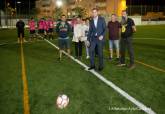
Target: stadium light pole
column 18, row 2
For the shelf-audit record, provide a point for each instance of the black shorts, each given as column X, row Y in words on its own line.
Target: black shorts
column 41, row 31
column 64, row 43
column 50, row 30
column 19, row 32
column 32, row 31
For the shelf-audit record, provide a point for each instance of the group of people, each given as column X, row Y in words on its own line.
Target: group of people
column 45, row 28
column 120, row 37
column 90, row 33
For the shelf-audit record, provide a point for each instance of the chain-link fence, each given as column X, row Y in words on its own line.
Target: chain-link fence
column 9, row 21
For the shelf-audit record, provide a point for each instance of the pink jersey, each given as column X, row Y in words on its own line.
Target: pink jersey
column 46, row 25
column 41, row 24
column 31, row 25
column 50, row 23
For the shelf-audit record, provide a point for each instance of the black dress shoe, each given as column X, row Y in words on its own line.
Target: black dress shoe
column 131, row 66
column 100, row 68
column 90, row 68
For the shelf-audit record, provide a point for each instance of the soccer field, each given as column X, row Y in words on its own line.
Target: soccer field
column 47, row 77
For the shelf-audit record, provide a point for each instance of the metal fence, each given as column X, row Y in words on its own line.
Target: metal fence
column 8, row 21
column 142, row 10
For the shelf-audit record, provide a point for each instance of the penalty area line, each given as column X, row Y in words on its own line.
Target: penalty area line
column 109, row 83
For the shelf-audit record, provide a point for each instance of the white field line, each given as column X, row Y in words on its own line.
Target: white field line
column 149, row 39
column 109, row 83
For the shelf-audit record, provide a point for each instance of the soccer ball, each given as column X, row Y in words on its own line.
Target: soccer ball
column 62, row 101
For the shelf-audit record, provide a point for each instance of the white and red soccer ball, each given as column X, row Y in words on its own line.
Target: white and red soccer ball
column 62, row 101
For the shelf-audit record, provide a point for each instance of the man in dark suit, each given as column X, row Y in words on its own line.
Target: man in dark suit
column 96, row 37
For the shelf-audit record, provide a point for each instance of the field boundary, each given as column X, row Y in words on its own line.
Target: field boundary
column 109, row 83
column 25, row 83
column 149, row 39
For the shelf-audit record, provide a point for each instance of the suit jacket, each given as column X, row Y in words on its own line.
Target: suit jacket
column 100, row 29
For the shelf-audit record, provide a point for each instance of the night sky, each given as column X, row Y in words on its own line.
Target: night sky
column 25, row 3
column 24, row 6
column 146, row 2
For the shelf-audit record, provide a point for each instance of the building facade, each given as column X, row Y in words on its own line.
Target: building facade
column 46, row 8
column 106, row 7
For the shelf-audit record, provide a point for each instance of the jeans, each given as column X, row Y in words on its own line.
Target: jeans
column 126, row 43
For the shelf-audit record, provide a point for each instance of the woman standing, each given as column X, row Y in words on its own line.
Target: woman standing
column 78, row 37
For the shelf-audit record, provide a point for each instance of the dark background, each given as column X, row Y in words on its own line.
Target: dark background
column 134, row 6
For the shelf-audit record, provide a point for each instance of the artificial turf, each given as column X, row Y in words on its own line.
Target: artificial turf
column 10, row 80
column 48, row 77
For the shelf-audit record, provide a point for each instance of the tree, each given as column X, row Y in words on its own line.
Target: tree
column 80, row 11
column 58, row 13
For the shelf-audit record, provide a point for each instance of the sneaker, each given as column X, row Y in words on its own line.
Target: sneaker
column 91, row 68
column 121, row 65
column 100, row 68
column 87, row 57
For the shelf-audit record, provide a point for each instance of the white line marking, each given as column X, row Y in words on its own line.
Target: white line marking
column 149, row 39
column 109, row 83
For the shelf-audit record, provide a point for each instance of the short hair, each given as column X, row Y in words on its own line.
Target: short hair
column 113, row 14
column 79, row 16
column 63, row 15
column 86, row 19
column 124, row 11
column 95, row 9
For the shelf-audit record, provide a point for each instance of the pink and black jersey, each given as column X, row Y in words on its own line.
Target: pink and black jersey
column 46, row 25
column 50, row 24
column 31, row 25
column 41, row 24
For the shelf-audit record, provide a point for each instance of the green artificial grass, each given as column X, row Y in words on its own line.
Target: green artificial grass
column 150, row 31
column 10, row 80
column 48, row 77
column 52, row 77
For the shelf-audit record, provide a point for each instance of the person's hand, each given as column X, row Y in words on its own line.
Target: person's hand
column 134, row 28
column 101, row 38
column 79, row 38
column 87, row 43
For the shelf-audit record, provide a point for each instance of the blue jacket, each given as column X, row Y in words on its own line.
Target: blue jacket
column 100, row 30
